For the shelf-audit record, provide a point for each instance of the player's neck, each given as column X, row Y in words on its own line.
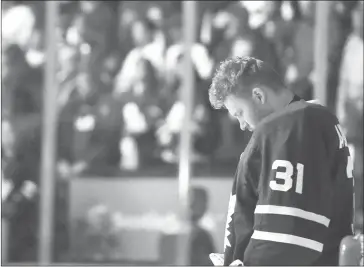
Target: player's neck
column 283, row 100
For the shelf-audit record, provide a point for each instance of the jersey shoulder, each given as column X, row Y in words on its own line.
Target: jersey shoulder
column 298, row 116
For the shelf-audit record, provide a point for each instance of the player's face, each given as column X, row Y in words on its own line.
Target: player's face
column 249, row 111
column 241, row 110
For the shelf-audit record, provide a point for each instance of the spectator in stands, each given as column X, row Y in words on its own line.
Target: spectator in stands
column 200, row 56
column 350, row 97
column 7, row 153
column 212, row 36
column 156, row 16
column 22, row 169
column 339, row 28
column 22, row 83
column 76, row 122
column 279, row 28
column 201, row 240
column 97, row 20
column 23, row 224
column 302, row 57
column 67, row 12
column 220, row 29
column 263, row 47
column 203, row 65
column 241, row 14
column 19, row 21
column 110, row 67
column 84, row 145
column 142, row 109
column 205, row 129
column 127, row 17
column 143, row 33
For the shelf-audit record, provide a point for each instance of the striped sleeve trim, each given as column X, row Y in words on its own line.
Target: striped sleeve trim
column 288, row 239
column 289, row 211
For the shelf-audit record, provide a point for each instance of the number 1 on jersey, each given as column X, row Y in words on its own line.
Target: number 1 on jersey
column 286, row 176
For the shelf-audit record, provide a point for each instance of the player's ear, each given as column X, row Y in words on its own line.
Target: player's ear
column 258, row 95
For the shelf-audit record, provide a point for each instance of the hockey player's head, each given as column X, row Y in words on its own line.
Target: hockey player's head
column 249, row 89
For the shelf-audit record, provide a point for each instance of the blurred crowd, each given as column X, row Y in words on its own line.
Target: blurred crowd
column 120, row 76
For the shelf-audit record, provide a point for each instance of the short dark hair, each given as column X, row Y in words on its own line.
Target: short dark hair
column 245, row 71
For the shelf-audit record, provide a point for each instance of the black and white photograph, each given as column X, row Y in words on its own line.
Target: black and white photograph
column 182, row 133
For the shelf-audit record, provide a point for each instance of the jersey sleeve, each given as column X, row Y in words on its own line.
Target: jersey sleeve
column 296, row 195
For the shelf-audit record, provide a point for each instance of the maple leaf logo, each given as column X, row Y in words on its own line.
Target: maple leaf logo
column 231, row 209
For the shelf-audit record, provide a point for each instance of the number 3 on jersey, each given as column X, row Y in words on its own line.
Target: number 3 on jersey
column 286, row 176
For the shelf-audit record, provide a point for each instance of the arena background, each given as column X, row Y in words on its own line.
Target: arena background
column 96, row 100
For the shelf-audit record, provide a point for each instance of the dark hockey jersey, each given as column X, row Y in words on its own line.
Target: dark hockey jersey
column 292, row 197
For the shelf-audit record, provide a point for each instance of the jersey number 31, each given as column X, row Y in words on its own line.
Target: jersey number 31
column 286, row 176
